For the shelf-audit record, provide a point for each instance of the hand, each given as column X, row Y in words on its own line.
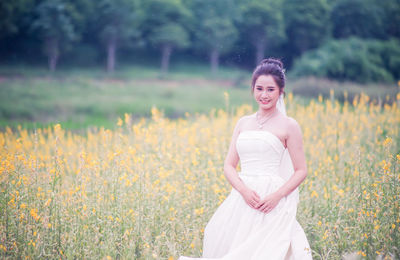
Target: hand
column 269, row 202
column 251, row 197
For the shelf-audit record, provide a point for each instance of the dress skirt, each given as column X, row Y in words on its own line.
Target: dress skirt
column 238, row 232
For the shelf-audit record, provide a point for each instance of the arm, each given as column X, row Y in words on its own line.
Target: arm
column 295, row 147
column 230, row 164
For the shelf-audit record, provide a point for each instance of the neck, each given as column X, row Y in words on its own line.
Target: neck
column 266, row 112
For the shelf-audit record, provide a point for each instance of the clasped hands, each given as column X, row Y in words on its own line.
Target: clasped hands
column 264, row 205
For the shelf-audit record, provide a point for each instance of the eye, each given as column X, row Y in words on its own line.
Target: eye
column 271, row 89
column 259, row 88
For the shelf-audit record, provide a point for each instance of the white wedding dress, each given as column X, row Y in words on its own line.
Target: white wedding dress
column 238, row 232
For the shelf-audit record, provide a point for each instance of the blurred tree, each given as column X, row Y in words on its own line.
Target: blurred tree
column 214, row 27
column 391, row 17
column 352, row 59
column 57, row 22
column 307, row 24
column 10, row 13
column 263, row 24
column 117, row 23
column 360, row 18
column 164, row 27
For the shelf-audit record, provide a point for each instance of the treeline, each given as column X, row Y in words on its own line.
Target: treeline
column 342, row 39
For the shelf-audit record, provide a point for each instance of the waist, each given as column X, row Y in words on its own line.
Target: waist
column 259, row 173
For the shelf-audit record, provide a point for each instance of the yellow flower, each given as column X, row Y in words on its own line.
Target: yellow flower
column 127, row 119
column 47, row 203
column 314, row 194
column 199, row 211
column 120, row 122
column 34, row 214
column 387, row 141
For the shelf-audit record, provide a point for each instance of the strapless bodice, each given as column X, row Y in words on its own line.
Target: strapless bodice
column 260, row 153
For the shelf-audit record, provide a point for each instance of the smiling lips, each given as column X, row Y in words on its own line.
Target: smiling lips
column 265, row 101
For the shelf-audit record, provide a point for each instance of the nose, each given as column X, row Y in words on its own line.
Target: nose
column 264, row 94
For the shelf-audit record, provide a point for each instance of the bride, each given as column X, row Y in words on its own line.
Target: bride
column 257, row 220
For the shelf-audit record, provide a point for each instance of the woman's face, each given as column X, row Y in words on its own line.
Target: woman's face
column 266, row 92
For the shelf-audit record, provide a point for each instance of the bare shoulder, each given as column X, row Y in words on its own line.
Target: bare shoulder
column 292, row 123
column 292, row 126
column 242, row 121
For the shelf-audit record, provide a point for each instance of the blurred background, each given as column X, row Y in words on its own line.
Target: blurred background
column 85, row 63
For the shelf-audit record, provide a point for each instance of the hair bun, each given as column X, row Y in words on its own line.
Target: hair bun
column 272, row 61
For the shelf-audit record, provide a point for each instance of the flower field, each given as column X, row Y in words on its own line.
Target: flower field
column 147, row 189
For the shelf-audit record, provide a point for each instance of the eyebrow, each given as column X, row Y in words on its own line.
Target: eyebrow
column 259, row 86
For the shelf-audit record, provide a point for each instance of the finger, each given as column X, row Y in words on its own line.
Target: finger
column 251, row 204
column 257, row 205
column 262, row 204
column 265, row 208
column 270, row 208
column 262, row 207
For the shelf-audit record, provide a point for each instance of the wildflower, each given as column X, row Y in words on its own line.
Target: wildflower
column 387, row 141
column 199, row 211
column 120, row 122
column 314, row 194
column 34, row 214
column 127, row 119
column 47, row 203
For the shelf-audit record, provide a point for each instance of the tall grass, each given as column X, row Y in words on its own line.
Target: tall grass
column 147, row 189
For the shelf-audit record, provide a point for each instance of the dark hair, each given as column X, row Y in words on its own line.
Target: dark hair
column 270, row 66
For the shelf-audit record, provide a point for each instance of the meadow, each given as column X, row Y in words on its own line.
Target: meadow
column 146, row 188
column 78, row 99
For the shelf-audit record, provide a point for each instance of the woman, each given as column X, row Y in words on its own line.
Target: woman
column 258, row 219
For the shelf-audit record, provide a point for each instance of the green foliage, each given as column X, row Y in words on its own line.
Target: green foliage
column 164, row 17
column 360, row 18
column 227, row 30
column 170, row 34
column 263, row 24
column 10, row 13
column 307, row 23
column 214, row 24
column 391, row 17
column 117, row 20
column 57, row 24
column 263, row 19
column 54, row 19
column 352, row 59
